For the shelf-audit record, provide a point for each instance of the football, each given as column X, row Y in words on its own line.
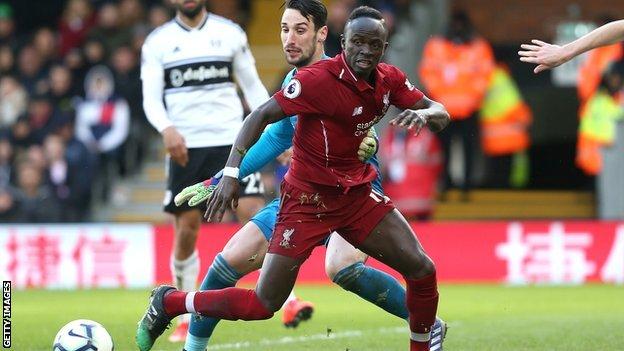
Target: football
column 82, row 335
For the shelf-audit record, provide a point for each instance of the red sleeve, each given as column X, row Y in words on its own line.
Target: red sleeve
column 306, row 94
column 403, row 94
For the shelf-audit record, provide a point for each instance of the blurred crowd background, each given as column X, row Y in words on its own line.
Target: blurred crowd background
column 75, row 143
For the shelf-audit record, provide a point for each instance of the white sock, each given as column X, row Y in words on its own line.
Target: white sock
column 185, row 276
column 291, row 297
column 420, row 337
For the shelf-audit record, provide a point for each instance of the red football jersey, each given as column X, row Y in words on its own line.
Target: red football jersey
column 335, row 109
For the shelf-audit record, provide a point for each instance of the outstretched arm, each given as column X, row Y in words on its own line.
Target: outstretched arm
column 275, row 139
column 424, row 112
column 226, row 193
column 547, row 56
column 254, row 124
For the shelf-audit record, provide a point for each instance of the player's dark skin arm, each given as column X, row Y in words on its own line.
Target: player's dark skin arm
column 425, row 111
column 226, row 193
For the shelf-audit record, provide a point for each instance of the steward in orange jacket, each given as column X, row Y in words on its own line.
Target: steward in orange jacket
column 505, row 117
column 455, row 70
column 590, row 73
column 598, row 122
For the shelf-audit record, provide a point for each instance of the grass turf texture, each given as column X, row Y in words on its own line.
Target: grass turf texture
column 481, row 317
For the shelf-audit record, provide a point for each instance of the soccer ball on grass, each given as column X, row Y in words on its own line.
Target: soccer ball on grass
column 83, row 335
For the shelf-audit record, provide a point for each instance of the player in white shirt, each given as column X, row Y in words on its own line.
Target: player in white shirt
column 189, row 69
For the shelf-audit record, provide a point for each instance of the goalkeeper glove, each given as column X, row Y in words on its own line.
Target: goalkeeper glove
column 198, row 193
column 368, row 146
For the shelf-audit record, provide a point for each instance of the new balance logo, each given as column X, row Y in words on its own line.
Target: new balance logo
column 357, row 111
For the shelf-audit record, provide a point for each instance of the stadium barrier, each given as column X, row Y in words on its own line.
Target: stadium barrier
column 137, row 255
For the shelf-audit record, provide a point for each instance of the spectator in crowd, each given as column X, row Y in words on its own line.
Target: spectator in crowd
column 62, row 92
column 103, row 117
column 7, row 60
column 125, row 65
column 66, row 181
column 31, row 70
column 157, row 16
column 77, row 19
column 132, row 13
column 7, row 203
column 94, row 51
column 109, row 30
column 45, row 43
column 13, row 101
column 7, row 206
column 7, row 26
column 78, row 156
column 37, row 123
column 337, row 15
column 57, row 171
column 102, row 123
column 235, row 10
column 412, row 165
column 139, row 33
column 6, row 162
column 75, row 62
column 35, row 156
column 126, row 71
column 34, row 201
column 455, row 71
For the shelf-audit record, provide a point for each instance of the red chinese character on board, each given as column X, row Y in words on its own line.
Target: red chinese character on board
column 77, row 255
column 102, row 257
column 108, row 260
column 42, row 257
column 12, row 248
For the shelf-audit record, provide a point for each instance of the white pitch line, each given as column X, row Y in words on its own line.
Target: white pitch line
column 303, row 339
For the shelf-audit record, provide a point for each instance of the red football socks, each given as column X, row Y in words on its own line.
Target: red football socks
column 173, row 302
column 422, row 303
column 229, row 304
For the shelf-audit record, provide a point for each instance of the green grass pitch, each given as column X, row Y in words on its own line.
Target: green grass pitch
column 481, row 317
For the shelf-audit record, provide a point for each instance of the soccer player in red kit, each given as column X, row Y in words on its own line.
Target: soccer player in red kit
column 326, row 188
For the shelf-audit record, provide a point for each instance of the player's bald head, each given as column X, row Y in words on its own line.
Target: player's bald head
column 364, row 40
column 366, row 19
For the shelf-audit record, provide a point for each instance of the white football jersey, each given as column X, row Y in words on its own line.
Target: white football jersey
column 193, row 70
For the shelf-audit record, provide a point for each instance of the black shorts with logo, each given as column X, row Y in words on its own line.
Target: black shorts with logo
column 203, row 163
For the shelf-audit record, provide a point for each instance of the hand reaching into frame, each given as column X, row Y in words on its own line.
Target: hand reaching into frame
column 544, row 55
